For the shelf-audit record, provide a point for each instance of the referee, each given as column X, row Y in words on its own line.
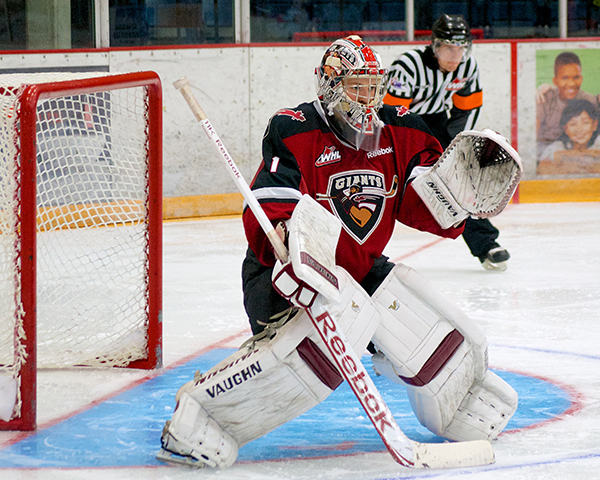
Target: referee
column 440, row 83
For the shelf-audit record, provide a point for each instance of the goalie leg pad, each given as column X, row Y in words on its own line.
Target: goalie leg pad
column 486, row 408
column 278, row 374
column 434, row 349
column 435, row 408
column 484, row 411
column 421, row 330
column 192, row 437
column 263, row 385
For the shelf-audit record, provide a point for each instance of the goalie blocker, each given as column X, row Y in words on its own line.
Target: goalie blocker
column 476, row 176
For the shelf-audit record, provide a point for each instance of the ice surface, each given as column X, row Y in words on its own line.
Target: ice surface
column 8, row 396
column 541, row 316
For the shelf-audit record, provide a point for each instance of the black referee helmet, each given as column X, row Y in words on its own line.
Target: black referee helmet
column 452, row 29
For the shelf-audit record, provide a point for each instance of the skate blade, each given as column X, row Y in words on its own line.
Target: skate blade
column 174, row 459
column 500, row 266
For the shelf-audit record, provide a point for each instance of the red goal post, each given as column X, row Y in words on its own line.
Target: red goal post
column 80, row 228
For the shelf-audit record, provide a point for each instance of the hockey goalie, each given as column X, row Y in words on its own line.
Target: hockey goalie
column 336, row 175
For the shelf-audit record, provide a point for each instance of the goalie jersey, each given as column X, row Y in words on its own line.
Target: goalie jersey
column 366, row 191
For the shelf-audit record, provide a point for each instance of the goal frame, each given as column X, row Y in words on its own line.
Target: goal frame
column 29, row 99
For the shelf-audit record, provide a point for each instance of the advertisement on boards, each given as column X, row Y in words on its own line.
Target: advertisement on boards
column 567, row 110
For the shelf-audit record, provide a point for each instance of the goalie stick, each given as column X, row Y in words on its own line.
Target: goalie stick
column 405, row 451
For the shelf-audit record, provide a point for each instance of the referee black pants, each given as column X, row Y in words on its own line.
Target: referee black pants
column 479, row 235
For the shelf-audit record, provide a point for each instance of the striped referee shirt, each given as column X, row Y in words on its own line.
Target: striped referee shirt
column 415, row 81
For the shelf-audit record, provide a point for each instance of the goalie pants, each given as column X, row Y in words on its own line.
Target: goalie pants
column 479, row 235
column 262, row 302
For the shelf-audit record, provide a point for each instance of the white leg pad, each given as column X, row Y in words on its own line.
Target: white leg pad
column 261, row 386
column 417, row 321
column 486, row 408
column 278, row 376
column 193, row 433
column 433, row 348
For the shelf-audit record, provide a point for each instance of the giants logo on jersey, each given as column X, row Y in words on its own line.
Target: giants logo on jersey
column 358, row 198
column 329, row 155
column 297, row 115
column 456, row 84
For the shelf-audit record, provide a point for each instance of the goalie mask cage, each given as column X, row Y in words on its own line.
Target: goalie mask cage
column 80, row 228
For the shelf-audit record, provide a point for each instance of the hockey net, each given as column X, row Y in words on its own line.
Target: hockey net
column 80, row 228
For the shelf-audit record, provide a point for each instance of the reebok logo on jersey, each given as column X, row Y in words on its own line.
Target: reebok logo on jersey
column 456, row 84
column 381, row 151
column 329, row 155
column 297, row 115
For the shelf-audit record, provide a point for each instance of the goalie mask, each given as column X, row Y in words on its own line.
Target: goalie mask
column 451, row 38
column 350, row 87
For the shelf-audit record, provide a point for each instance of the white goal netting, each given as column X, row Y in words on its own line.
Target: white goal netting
column 92, row 241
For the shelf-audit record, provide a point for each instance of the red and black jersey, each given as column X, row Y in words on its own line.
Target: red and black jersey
column 367, row 191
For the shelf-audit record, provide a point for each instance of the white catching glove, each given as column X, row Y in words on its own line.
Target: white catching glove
column 289, row 286
column 476, row 176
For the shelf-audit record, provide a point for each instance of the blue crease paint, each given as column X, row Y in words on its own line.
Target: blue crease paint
column 124, row 431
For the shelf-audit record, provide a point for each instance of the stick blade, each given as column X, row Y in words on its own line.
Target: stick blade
column 453, row 455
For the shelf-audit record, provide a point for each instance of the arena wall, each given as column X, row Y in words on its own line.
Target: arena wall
column 241, row 86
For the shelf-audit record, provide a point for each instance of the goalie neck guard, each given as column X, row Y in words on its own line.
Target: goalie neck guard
column 350, row 87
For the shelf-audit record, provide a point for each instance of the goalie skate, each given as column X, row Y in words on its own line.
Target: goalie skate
column 173, row 458
column 192, row 437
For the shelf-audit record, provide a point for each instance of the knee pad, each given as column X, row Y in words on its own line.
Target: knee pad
column 432, row 347
column 274, row 377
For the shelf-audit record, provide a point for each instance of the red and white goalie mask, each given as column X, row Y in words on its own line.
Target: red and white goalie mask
column 350, row 86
